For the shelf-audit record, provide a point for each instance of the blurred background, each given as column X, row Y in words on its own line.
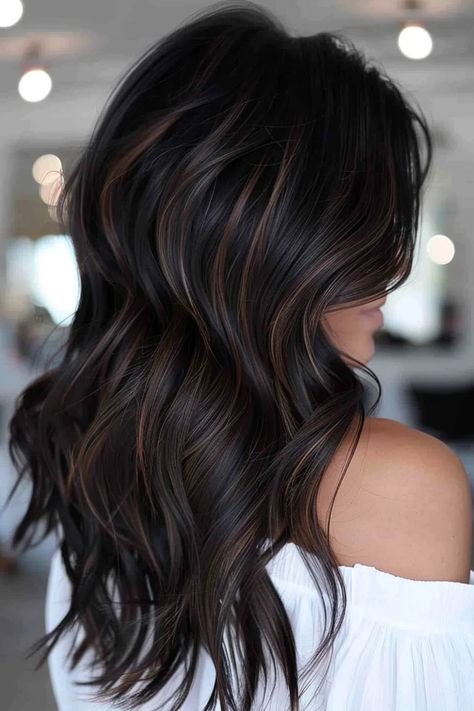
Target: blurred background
column 59, row 59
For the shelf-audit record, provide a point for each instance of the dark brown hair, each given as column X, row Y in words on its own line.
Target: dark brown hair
column 239, row 182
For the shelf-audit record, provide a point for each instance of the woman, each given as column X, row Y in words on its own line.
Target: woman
column 246, row 201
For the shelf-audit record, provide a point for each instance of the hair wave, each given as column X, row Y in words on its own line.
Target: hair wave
column 240, row 181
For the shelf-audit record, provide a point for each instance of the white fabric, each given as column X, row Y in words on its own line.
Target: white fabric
column 405, row 645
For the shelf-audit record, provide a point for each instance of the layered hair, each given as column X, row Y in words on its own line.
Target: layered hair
column 240, row 182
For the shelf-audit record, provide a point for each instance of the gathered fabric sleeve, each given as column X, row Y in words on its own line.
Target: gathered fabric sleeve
column 409, row 645
column 405, row 645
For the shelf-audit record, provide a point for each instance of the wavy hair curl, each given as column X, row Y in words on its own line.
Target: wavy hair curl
column 240, row 182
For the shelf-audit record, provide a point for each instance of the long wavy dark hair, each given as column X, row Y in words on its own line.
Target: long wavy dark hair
column 240, row 182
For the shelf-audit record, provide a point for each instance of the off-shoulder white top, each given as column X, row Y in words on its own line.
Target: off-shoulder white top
column 404, row 645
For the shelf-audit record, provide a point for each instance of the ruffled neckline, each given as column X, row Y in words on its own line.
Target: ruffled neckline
column 283, row 560
column 380, row 595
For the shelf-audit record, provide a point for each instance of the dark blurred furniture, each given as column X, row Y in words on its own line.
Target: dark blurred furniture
column 444, row 411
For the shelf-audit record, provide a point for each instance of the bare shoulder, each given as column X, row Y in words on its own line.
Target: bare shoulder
column 406, row 507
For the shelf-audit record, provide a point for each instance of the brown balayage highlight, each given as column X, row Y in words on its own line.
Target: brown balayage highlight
column 239, row 182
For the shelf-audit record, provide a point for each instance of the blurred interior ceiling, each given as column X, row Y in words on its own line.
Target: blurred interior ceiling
column 88, row 44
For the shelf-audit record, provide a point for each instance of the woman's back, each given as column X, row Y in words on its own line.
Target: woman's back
column 401, row 530
column 245, row 203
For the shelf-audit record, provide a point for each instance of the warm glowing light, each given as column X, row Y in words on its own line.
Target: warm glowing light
column 10, row 12
column 46, row 168
column 35, row 85
column 415, row 42
column 440, row 249
column 49, row 192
